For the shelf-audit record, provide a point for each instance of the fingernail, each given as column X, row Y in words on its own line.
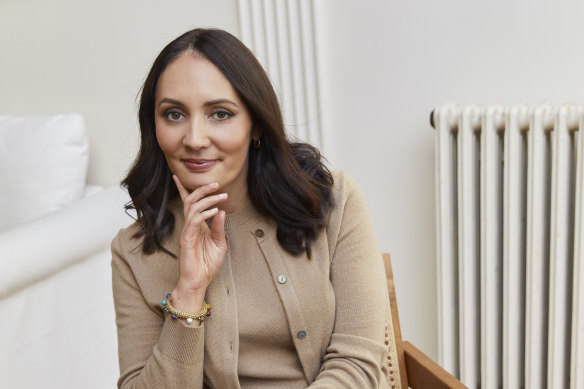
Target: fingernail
column 223, row 195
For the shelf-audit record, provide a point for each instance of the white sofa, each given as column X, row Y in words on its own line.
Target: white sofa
column 57, row 324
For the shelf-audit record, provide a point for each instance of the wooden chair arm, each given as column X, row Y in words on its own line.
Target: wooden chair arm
column 423, row 372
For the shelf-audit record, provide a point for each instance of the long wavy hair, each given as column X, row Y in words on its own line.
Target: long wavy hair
column 287, row 181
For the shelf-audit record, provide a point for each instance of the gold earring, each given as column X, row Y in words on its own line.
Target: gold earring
column 256, row 143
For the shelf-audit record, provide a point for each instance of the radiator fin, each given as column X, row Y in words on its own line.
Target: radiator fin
column 577, row 351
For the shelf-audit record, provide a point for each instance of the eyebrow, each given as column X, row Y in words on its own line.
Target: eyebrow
column 219, row 101
column 207, row 104
column 170, row 101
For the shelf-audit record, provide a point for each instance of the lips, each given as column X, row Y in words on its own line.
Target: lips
column 199, row 165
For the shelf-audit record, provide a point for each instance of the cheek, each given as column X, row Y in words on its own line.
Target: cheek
column 159, row 135
column 166, row 140
column 235, row 141
column 237, row 154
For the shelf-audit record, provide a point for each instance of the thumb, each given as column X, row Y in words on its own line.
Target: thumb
column 218, row 229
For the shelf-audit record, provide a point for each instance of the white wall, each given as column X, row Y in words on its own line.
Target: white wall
column 91, row 57
column 386, row 64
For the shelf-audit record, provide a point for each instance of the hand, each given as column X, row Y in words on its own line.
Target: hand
column 202, row 249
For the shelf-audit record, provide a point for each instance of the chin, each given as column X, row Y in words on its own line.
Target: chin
column 192, row 181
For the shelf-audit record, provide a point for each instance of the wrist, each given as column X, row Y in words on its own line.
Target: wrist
column 188, row 300
column 199, row 316
column 187, row 286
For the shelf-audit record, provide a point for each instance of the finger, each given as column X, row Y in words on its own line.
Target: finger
column 198, row 193
column 205, row 203
column 181, row 189
column 191, row 230
column 202, row 191
column 218, row 229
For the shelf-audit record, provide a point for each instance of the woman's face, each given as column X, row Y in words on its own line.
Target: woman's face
column 202, row 127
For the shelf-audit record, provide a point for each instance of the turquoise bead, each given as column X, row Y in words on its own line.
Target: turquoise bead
column 163, row 302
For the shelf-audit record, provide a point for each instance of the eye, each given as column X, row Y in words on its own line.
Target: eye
column 173, row 116
column 222, row 115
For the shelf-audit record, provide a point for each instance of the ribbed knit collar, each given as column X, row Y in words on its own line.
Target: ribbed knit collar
column 241, row 216
column 233, row 220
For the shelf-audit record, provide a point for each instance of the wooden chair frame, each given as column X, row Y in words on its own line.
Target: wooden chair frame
column 416, row 369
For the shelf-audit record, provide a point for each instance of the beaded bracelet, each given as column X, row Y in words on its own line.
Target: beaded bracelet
column 175, row 313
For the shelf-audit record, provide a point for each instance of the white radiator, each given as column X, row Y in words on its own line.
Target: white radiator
column 510, row 244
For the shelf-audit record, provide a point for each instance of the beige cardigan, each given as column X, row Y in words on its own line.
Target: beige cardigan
column 335, row 305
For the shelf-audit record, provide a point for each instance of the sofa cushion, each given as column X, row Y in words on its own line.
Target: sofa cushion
column 43, row 165
column 38, row 249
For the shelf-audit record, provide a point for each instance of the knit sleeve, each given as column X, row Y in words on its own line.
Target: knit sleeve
column 356, row 351
column 154, row 352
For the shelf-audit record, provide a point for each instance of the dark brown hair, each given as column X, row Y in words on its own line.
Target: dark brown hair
column 286, row 181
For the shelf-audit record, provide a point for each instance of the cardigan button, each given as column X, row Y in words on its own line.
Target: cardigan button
column 259, row 233
column 301, row 334
column 282, row 279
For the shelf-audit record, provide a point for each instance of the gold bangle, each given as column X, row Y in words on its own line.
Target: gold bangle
column 175, row 313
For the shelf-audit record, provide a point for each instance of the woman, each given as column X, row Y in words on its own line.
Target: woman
column 235, row 220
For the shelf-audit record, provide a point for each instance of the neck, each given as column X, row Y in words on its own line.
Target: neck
column 236, row 201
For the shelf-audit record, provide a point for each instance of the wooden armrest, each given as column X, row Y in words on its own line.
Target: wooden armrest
column 423, row 372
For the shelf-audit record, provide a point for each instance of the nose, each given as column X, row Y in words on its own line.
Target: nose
column 197, row 134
